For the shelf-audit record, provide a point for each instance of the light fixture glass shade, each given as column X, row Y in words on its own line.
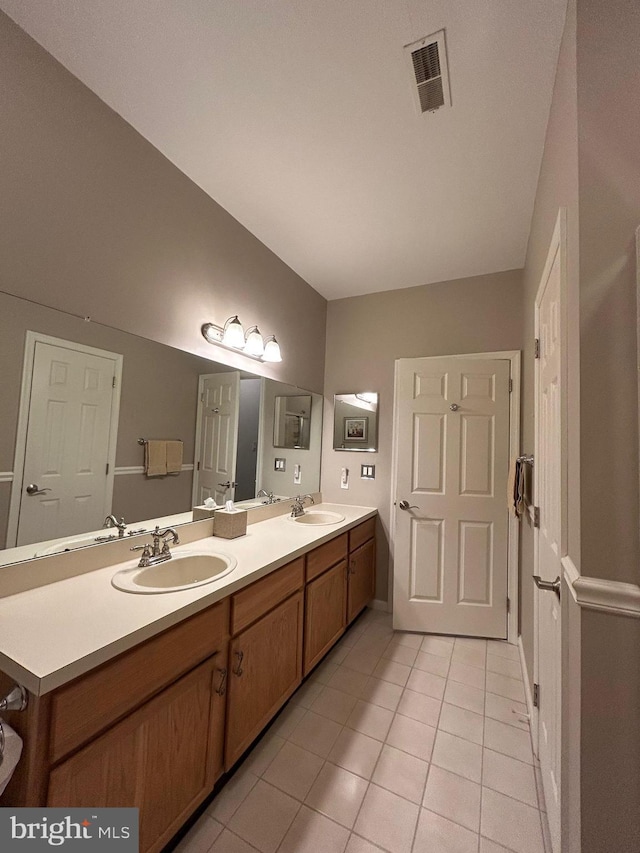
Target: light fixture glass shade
column 211, row 333
column 254, row 344
column 233, row 335
column 272, row 350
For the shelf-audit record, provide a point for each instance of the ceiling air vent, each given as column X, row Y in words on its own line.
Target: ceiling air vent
column 430, row 75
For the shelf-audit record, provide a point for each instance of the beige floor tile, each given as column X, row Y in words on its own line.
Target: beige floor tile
column 371, row 720
column 263, row 754
column 504, row 666
column 224, row 805
column 412, row 641
column 372, row 645
column 436, row 834
column 464, row 674
column 470, row 655
column 487, row 846
column 201, row 836
column 349, row 639
column 288, row 719
column 458, row 755
column 401, row 773
column 361, row 661
column 435, row 664
column 396, row 673
column 338, row 794
column 317, row 734
column 349, row 681
column 503, row 649
column 508, row 740
column 470, row 642
column 322, row 674
column 334, row 704
column 229, row 842
column 465, row 696
column 305, row 696
column 511, row 688
column 509, row 776
column 510, row 823
column 311, row 832
column 356, row 752
column 264, row 817
column 337, row 654
column 411, row 736
column 387, row 820
column 360, row 845
column 427, row 683
column 437, row 646
column 507, row 711
column 293, row 770
column 453, row 797
column 399, row 653
column 419, row 707
column 382, row 693
column 461, row 722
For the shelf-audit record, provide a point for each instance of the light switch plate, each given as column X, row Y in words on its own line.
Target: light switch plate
column 344, row 478
column 297, row 474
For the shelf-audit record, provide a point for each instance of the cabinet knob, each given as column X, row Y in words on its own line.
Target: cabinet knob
column 222, row 687
column 237, row 670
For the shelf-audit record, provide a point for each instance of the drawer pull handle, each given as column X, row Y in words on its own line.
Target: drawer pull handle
column 237, row 670
column 222, row 687
column 352, row 567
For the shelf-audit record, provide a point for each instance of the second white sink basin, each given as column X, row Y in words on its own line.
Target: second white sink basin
column 182, row 571
column 318, row 516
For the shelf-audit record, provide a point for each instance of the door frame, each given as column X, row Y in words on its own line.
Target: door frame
column 558, row 244
column 514, row 357
column 31, row 339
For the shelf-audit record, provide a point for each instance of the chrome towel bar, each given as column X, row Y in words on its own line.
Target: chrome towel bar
column 527, row 458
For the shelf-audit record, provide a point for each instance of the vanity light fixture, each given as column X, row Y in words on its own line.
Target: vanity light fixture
column 232, row 336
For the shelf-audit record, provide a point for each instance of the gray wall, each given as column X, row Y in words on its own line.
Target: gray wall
column 94, row 220
column 366, row 334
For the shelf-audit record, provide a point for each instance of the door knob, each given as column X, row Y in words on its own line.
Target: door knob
column 34, row 489
column 454, row 407
column 548, row 586
column 405, row 505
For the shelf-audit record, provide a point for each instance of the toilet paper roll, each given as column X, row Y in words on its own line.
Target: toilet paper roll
column 12, row 753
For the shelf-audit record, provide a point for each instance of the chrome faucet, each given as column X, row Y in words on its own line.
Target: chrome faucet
column 153, row 553
column 112, row 521
column 297, row 507
column 270, row 497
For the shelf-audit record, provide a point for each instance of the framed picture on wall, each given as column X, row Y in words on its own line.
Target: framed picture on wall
column 355, row 429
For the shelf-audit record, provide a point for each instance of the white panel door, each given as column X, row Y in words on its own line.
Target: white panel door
column 452, row 447
column 548, row 492
column 217, row 437
column 67, row 444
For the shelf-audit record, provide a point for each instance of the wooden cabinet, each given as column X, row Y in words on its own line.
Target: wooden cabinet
column 265, row 663
column 325, row 613
column 361, row 576
column 163, row 758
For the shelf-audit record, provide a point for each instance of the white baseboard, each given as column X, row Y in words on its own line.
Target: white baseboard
column 527, row 684
column 379, row 604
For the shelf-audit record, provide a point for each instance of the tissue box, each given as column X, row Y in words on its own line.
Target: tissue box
column 202, row 512
column 229, row 525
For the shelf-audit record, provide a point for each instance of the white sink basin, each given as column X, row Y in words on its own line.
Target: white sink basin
column 182, row 571
column 318, row 516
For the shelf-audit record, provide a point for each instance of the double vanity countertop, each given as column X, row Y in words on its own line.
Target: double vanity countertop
column 76, row 619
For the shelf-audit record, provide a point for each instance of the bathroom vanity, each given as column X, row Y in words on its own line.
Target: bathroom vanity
column 155, row 722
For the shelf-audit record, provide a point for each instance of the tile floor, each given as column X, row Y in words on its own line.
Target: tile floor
column 398, row 742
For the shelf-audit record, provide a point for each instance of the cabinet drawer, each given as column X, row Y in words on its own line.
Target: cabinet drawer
column 88, row 705
column 362, row 533
column 253, row 602
column 327, row 555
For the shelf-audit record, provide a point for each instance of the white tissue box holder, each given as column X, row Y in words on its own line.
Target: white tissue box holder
column 229, row 525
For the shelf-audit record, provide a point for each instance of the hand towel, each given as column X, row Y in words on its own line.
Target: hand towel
column 511, row 487
column 520, row 488
column 174, row 456
column 155, row 458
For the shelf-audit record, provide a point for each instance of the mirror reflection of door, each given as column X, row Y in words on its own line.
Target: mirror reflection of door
column 248, row 436
column 68, row 438
column 216, row 437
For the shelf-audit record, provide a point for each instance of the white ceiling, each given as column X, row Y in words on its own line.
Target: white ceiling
column 297, row 116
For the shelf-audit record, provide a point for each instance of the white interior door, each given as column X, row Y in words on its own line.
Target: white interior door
column 452, row 451
column 548, row 472
column 217, row 437
column 70, row 436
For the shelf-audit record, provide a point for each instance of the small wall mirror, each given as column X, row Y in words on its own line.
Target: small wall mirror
column 292, row 422
column 355, row 421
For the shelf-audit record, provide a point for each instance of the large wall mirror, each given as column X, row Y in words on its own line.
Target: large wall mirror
column 77, row 399
column 355, row 421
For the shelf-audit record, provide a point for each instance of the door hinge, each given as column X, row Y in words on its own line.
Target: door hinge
column 536, row 348
column 107, row 468
column 508, row 605
column 536, row 695
column 510, row 385
column 536, row 516
column 198, row 466
column 113, row 382
column 202, row 397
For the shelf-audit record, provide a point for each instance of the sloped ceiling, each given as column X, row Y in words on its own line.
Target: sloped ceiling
column 298, row 118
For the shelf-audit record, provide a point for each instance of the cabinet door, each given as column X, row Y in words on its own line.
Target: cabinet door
column 265, row 665
column 325, row 613
column 162, row 759
column 361, row 578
